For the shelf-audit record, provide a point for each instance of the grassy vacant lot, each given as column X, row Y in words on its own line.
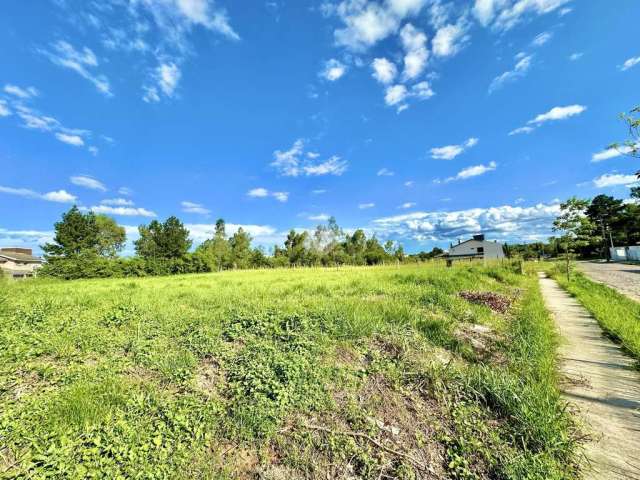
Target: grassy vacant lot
column 617, row 314
column 378, row 372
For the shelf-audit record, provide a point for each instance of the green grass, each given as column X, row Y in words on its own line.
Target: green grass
column 350, row 372
column 617, row 314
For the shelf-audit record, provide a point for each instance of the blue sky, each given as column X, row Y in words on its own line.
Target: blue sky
column 419, row 120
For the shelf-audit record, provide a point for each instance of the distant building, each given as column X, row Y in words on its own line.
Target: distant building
column 476, row 248
column 19, row 262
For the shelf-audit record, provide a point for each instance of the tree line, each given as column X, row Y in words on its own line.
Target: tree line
column 87, row 245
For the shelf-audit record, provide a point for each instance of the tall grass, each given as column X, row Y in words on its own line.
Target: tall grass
column 617, row 314
column 128, row 378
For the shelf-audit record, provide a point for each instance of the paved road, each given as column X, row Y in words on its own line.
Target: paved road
column 624, row 278
column 602, row 383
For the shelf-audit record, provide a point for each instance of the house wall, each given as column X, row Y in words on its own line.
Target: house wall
column 492, row 250
column 9, row 267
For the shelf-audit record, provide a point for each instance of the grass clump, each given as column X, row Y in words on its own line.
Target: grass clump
column 617, row 314
column 346, row 373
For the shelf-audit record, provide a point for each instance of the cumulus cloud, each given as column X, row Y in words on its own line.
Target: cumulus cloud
column 191, row 207
column 117, row 202
column 333, row 70
column 321, row 217
column 611, row 153
column 385, row 172
column 558, row 113
column 470, row 172
column 4, row 109
column 450, row 39
column 450, row 152
column 407, row 205
column 166, row 78
column 25, row 238
column 75, row 140
column 502, row 15
column 520, row 70
column 82, row 61
column 295, row 163
column 630, row 63
column 414, row 42
column 122, row 211
column 88, row 182
column 555, row 114
column 264, row 193
column 23, row 93
column 398, row 95
column 384, row 71
column 541, row 39
column 513, row 222
column 614, row 180
column 59, row 196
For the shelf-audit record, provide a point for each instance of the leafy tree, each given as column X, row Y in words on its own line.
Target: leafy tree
column 575, row 225
column 216, row 252
column 111, row 236
column 77, row 233
column 163, row 240
column 631, row 146
column 295, row 246
column 240, row 244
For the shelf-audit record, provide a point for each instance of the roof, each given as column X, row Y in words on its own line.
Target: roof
column 492, row 242
column 20, row 257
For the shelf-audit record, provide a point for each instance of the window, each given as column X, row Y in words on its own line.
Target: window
column 480, row 249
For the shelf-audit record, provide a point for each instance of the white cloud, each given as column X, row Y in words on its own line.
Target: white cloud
column 611, row 153
column 264, row 193
column 520, row 130
column 395, row 94
column 23, row 93
column 614, row 179
column 319, row 191
column 322, row 217
column 504, row 222
column 122, row 211
column 281, row 196
column 384, row 71
column 88, row 182
column 449, row 39
column 80, row 61
column 74, row 140
column 404, row 8
column 166, row 78
column 629, row 63
column 365, row 206
column 333, row 70
column 541, row 39
column 409, row 183
column 258, row 193
column 414, row 42
column 60, row 196
column 450, row 152
column 558, row 113
column 520, row 70
column 407, row 205
column 25, row 238
column 125, row 191
column 385, row 172
column 264, row 235
column 576, row 56
column 366, row 23
column 503, row 15
column 294, row 163
column 117, row 202
column 191, row 207
column 471, row 172
column 4, row 109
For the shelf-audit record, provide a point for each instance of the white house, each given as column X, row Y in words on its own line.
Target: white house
column 476, row 248
column 19, row 262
